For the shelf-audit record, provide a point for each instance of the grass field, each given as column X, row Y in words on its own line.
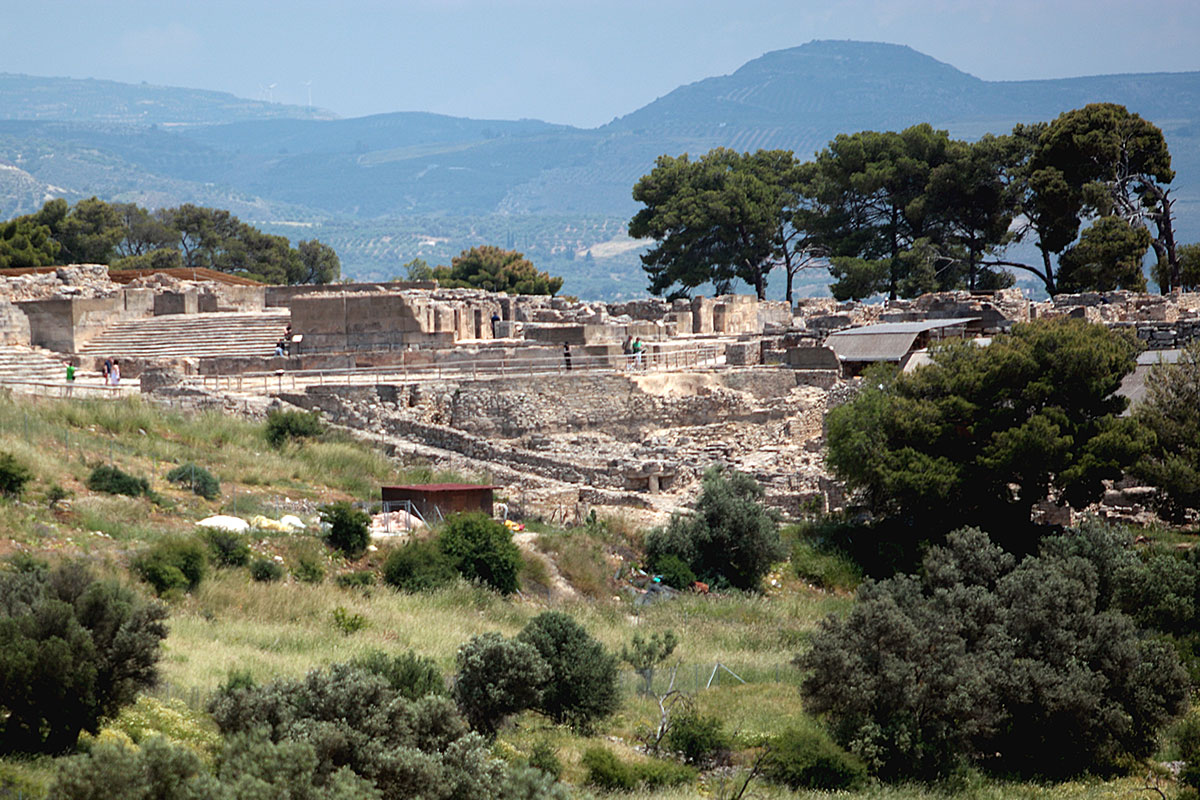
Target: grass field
column 287, row 628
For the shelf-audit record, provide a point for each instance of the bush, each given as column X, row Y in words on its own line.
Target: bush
column 226, row 548
column 674, row 572
column 308, row 569
column 173, row 564
column 348, row 528
column 347, row 622
column 198, row 479
column 731, row 539
column 606, row 771
column 75, row 651
column 808, row 760
column 481, row 549
column 286, row 425
column 113, row 480
column 644, row 655
column 418, row 566
column 249, row 766
column 584, row 684
column 266, row 570
column 409, row 748
column 55, row 495
column 410, row 675
column 13, row 475
column 981, row 655
column 497, row 677
column 543, row 756
column 362, row 579
column 697, row 738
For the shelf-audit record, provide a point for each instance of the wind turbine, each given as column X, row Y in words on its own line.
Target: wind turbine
column 269, row 88
column 308, row 84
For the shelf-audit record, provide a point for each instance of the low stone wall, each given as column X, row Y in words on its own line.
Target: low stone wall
column 1163, row 335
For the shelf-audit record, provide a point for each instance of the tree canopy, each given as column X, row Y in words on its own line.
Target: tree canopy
column 126, row 236
column 496, row 270
column 984, row 433
column 905, row 212
column 726, row 215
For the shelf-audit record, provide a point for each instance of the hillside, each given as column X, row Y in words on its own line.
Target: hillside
column 276, row 164
column 30, row 97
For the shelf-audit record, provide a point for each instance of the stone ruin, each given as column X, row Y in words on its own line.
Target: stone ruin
column 575, row 440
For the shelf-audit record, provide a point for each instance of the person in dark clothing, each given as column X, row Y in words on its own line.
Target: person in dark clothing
column 495, row 319
column 107, row 368
column 567, row 355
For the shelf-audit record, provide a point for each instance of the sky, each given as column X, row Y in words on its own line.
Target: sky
column 576, row 62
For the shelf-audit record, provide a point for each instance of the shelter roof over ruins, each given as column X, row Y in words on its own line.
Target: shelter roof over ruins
column 887, row 341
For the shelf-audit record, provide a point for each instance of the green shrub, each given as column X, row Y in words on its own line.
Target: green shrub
column 348, row 528
column 808, row 760
column 410, row 675
column 113, row 480
column 226, row 548
column 674, row 571
column 482, row 549
column 699, row 739
column 346, row 622
column 825, row 569
column 13, row 475
column 285, row 425
column 266, row 570
column 731, row 539
column 308, row 569
column 543, row 756
column 198, row 479
column 75, row 651
column 606, row 771
column 418, row 566
column 362, row 579
column 55, row 495
column 173, row 564
column 497, row 677
column 584, row 685
column 409, row 748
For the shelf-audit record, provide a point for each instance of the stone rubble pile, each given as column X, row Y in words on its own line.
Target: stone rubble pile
column 78, row 280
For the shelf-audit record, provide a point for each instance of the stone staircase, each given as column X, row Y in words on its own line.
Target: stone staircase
column 191, row 336
column 19, row 363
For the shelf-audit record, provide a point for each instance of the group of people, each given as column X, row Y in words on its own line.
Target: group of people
column 112, row 372
column 284, row 346
column 632, row 347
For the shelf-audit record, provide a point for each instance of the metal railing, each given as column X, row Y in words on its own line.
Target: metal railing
column 706, row 355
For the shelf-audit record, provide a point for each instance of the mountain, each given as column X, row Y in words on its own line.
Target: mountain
column 379, row 185
column 29, row 97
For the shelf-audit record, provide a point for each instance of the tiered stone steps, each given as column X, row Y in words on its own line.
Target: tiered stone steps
column 31, row 364
column 191, row 336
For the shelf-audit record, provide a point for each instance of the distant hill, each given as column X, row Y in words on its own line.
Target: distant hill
column 384, row 180
column 30, row 97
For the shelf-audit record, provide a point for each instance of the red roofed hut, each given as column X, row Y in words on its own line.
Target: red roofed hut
column 436, row 500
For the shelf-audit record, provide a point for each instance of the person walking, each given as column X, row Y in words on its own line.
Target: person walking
column 637, row 353
column 70, row 379
column 114, row 373
column 107, row 368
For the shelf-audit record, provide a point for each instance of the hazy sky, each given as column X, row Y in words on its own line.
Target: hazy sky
column 580, row 62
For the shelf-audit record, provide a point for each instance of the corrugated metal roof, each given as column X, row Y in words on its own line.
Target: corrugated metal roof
column 872, row 347
column 443, row 487
column 885, row 328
